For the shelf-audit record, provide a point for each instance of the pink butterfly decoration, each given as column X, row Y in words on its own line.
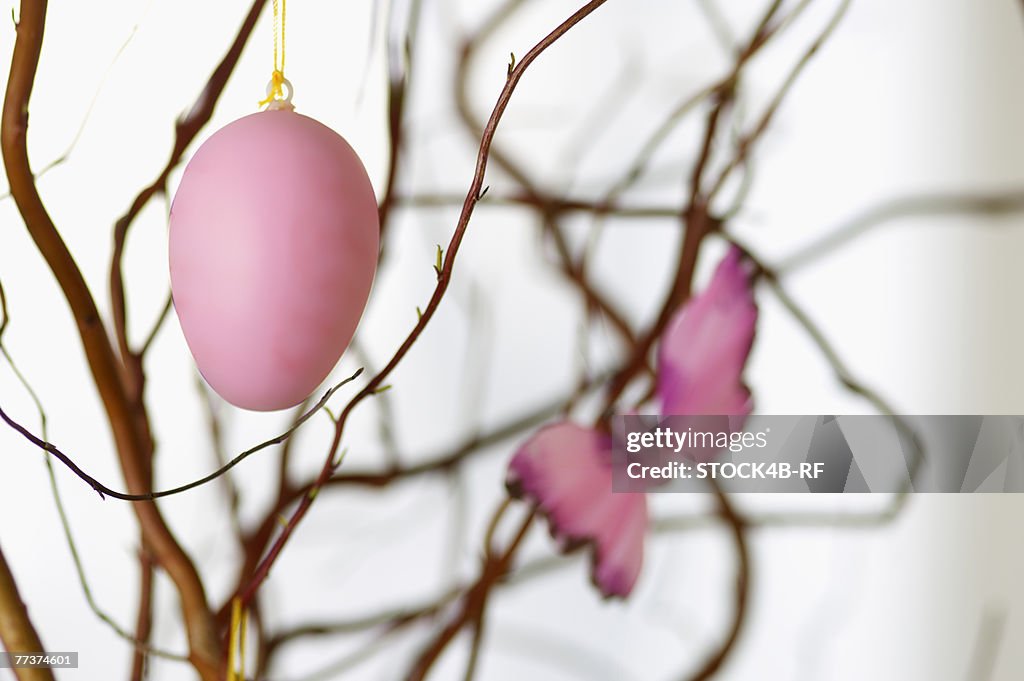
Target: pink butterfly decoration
column 565, row 469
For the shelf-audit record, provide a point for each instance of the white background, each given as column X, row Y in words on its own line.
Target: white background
column 909, row 97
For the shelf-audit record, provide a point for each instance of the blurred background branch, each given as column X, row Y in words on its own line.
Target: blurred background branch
column 633, row 151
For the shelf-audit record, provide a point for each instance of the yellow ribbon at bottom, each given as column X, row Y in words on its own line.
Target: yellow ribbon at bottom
column 236, row 644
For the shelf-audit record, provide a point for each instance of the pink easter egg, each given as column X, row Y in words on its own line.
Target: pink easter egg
column 273, row 249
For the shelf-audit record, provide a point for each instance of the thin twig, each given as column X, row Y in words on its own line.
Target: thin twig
column 58, row 500
column 737, row 531
column 157, row 325
column 557, row 205
column 17, row 632
column 105, row 491
column 125, row 415
column 187, row 127
column 443, row 280
column 66, row 154
column 695, row 216
column 443, row 463
column 944, row 204
column 474, row 601
column 399, row 61
column 747, row 142
column 571, row 269
column 216, row 430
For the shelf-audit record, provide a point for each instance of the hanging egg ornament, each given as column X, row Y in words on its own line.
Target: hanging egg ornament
column 273, row 249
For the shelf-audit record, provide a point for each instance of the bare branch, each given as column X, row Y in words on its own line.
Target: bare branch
column 129, row 430
column 17, row 633
column 186, row 129
column 939, row 204
column 443, row 281
column 747, row 142
column 105, row 491
column 737, row 527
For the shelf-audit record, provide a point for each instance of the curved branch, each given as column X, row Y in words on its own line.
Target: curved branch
column 932, row 205
column 444, row 275
column 696, row 216
column 738, row 533
column 399, row 62
column 747, row 141
column 185, row 131
column 105, row 491
column 548, row 213
column 17, row 632
column 133, row 446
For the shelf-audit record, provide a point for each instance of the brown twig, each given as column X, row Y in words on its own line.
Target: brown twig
column 215, row 427
column 387, row 620
column 557, row 205
column 105, row 491
column 550, row 209
column 157, row 325
column 738, row 532
column 133, row 445
column 144, row 615
column 443, row 463
column 747, row 141
column 66, row 154
column 474, row 601
column 17, row 633
column 696, row 217
column 549, row 216
column 538, row 567
column 186, row 129
column 997, row 203
column 444, row 275
column 76, row 559
column 843, row 374
column 399, row 58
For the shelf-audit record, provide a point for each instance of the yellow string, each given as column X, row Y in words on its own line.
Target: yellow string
column 241, row 647
column 236, row 615
column 279, row 19
column 277, row 77
column 236, row 643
